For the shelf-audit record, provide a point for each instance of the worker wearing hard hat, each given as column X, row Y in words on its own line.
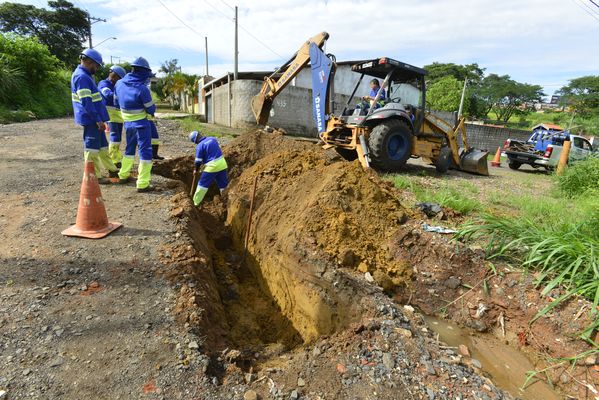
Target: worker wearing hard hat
column 134, row 99
column 106, row 88
column 208, row 152
column 90, row 112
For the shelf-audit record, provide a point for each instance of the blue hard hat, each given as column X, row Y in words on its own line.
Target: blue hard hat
column 195, row 137
column 141, row 62
column 120, row 71
column 94, row 55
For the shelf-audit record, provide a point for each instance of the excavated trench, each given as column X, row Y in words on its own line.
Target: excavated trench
column 318, row 226
column 311, row 231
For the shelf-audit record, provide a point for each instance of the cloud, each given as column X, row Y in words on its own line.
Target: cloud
column 538, row 40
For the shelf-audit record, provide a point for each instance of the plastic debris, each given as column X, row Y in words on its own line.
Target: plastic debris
column 430, row 209
column 437, row 229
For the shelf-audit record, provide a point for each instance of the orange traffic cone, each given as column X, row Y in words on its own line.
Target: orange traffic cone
column 497, row 160
column 92, row 221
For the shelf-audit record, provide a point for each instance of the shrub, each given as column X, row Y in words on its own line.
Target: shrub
column 31, row 80
column 580, row 177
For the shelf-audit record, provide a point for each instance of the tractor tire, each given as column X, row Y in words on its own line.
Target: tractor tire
column 443, row 162
column 390, row 145
column 514, row 165
column 349, row 155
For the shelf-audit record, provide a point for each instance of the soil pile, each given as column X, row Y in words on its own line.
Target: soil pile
column 313, row 218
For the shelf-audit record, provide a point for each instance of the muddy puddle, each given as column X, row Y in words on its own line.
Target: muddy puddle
column 504, row 365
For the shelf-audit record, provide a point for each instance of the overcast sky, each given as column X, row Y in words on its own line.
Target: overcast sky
column 543, row 42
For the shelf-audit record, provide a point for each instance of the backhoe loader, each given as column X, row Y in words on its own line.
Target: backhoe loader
column 383, row 136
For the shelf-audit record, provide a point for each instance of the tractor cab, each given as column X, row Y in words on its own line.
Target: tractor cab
column 405, row 94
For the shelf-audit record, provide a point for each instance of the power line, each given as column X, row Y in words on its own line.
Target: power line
column 585, row 10
column 596, row 5
column 180, row 20
column 228, row 5
column 588, row 7
column 244, row 29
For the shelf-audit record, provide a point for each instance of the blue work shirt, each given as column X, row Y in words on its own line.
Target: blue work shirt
column 106, row 89
column 208, row 152
column 374, row 91
column 88, row 105
column 133, row 98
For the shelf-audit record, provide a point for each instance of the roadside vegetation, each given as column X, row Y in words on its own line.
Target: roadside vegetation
column 498, row 99
column 33, row 82
column 189, row 124
column 547, row 224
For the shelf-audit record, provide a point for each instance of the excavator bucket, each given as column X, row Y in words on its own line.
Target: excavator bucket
column 474, row 161
column 261, row 106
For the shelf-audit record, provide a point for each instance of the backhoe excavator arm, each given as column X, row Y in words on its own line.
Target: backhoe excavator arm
column 262, row 102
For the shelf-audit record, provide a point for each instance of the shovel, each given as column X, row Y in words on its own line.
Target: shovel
column 194, row 183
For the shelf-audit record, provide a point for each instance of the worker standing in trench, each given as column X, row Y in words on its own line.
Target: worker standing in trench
column 208, row 152
column 106, row 88
column 134, row 99
column 90, row 112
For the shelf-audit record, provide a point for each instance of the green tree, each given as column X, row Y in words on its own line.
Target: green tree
column 62, row 28
column 582, row 94
column 43, row 84
column 445, row 94
column 506, row 97
column 437, row 70
column 169, row 67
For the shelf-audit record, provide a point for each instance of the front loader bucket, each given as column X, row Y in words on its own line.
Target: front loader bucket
column 474, row 161
column 261, row 106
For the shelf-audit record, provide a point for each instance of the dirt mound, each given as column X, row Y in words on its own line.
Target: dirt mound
column 246, row 149
column 348, row 214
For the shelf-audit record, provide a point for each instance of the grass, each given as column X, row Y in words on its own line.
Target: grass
column 563, row 252
column 189, row 124
column 579, row 178
column 528, row 220
column 457, row 197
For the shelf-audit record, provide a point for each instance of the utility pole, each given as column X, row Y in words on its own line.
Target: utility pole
column 92, row 20
column 236, row 47
column 206, row 45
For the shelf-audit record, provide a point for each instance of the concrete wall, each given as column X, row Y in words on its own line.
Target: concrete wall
column 488, row 138
column 292, row 111
column 345, row 80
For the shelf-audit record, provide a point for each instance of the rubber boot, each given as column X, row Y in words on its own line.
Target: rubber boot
column 144, row 175
column 155, row 155
column 107, row 162
column 198, row 196
column 125, row 172
column 95, row 157
column 114, row 151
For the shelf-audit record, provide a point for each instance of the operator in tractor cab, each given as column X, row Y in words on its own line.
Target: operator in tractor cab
column 90, row 112
column 368, row 101
column 133, row 98
column 106, row 88
column 208, row 152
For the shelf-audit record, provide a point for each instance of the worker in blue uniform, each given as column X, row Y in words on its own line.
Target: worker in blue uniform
column 134, row 99
column 106, row 88
column 90, row 112
column 368, row 101
column 208, row 152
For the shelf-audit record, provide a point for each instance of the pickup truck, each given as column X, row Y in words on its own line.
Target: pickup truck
column 544, row 147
